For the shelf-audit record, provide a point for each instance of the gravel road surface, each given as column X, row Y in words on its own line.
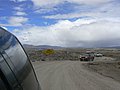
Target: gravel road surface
column 71, row 75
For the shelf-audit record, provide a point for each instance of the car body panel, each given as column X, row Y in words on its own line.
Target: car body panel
column 16, row 59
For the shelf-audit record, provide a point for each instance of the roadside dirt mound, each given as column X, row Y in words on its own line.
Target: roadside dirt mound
column 108, row 69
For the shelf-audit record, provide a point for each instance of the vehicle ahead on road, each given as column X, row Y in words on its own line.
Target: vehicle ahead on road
column 16, row 71
column 87, row 57
column 98, row 55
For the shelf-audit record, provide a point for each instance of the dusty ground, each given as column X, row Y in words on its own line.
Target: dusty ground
column 76, row 75
column 105, row 66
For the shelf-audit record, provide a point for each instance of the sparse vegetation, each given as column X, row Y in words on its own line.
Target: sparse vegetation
column 48, row 52
column 69, row 53
column 113, row 53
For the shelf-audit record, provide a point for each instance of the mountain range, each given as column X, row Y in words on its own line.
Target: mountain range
column 41, row 47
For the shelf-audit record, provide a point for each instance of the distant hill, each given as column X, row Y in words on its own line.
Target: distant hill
column 41, row 47
column 116, row 47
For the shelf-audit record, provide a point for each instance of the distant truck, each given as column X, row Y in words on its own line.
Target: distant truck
column 87, row 57
column 98, row 55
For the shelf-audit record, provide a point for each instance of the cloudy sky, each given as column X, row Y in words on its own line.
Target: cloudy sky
column 68, row 23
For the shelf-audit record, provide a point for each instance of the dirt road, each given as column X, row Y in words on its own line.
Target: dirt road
column 71, row 75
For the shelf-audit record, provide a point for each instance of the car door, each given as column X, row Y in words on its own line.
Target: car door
column 7, row 76
column 15, row 63
column 3, row 82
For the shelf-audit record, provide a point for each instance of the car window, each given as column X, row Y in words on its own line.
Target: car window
column 16, row 55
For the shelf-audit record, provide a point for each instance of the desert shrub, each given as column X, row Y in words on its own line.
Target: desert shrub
column 48, row 52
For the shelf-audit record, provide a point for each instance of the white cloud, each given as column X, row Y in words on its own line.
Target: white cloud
column 1, row 24
column 45, row 10
column 105, row 11
column 17, row 21
column 46, row 3
column 69, row 15
column 18, row 0
column 21, row 0
column 63, row 16
column 13, row 0
column 52, row 3
column 20, row 13
column 89, row 2
column 94, row 14
column 81, row 32
column 18, row 8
